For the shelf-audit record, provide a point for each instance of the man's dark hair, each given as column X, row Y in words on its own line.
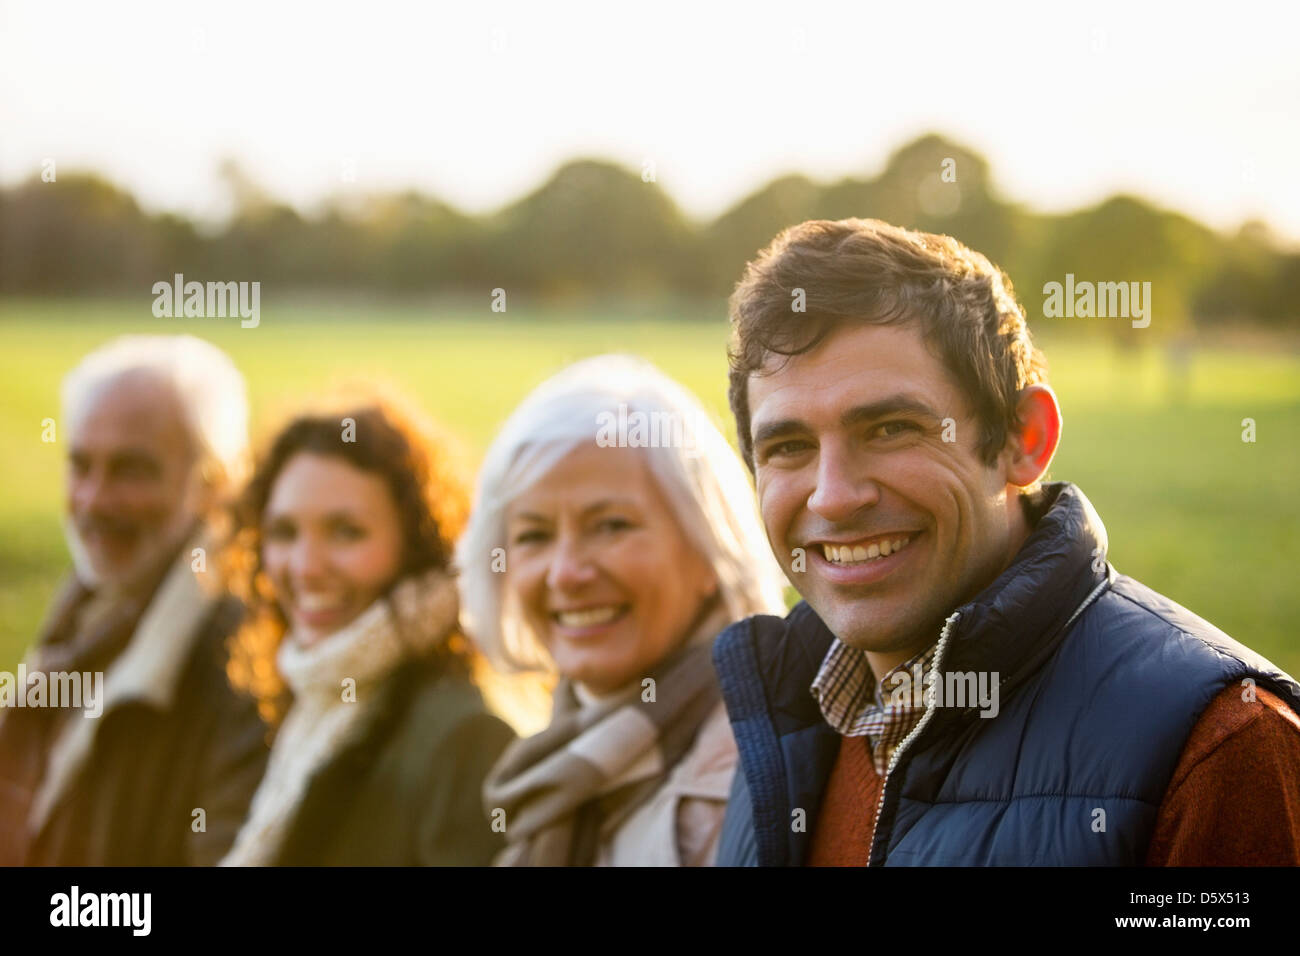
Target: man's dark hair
column 867, row 271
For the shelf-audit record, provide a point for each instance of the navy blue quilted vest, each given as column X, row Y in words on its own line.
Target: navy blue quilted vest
column 1101, row 681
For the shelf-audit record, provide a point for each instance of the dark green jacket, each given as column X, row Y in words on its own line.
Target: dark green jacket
column 408, row 790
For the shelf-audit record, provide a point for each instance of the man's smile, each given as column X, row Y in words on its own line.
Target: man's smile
column 864, row 560
column 865, row 549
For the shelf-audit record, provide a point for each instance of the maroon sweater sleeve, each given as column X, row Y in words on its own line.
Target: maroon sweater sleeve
column 1234, row 798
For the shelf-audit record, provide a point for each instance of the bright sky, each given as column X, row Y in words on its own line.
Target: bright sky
column 478, row 103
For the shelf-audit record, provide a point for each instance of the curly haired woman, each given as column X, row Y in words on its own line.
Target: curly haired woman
column 353, row 648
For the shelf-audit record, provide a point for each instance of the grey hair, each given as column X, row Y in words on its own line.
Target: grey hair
column 210, row 390
column 698, row 473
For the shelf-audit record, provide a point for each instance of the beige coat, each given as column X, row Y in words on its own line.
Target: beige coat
column 680, row 824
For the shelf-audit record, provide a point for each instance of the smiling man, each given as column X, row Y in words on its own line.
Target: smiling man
column 899, row 425
column 156, row 432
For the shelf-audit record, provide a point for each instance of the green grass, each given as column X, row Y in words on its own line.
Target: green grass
column 1191, row 510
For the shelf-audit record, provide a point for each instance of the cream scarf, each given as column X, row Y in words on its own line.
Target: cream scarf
column 332, row 682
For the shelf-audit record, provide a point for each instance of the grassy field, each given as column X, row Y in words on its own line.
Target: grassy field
column 1191, row 509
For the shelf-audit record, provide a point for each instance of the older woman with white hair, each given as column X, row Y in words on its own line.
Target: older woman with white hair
column 613, row 536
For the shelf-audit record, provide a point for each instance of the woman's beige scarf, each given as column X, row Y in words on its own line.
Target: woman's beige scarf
column 332, row 681
column 563, row 788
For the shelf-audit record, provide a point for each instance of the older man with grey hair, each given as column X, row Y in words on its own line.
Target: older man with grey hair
column 158, row 761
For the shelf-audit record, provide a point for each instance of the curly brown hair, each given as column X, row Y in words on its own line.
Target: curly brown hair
column 865, row 270
column 432, row 500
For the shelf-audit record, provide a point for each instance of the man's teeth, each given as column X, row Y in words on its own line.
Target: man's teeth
column 313, row 603
column 856, row 553
column 590, row 617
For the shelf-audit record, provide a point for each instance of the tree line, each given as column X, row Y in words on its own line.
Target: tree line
column 597, row 229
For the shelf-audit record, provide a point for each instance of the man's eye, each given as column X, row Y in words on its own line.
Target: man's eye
column 785, row 449
column 531, row 536
column 894, row 429
column 613, row 524
column 134, row 469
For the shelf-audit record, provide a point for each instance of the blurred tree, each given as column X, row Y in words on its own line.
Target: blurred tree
column 934, row 185
column 1125, row 239
column 80, row 234
column 738, row 234
column 1248, row 281
column 419, row 243
column 595, row 228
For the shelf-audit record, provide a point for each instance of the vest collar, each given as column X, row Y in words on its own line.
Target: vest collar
column 1015, row 624
column 1011, row 627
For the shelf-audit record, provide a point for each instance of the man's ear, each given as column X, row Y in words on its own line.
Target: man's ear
column 1030, row 448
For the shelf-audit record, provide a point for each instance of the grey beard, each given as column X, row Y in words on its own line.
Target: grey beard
column 178, row 528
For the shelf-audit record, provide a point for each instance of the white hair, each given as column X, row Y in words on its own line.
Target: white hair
column 211, row 392
column 699, row 474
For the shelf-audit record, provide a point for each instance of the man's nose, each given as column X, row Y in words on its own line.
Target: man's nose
column 571, row 566
column 844, row 485
column 90, row 493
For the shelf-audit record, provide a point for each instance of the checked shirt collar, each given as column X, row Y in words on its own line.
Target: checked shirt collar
column 855, row 704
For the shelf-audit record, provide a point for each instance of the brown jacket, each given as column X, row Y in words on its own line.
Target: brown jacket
column 123, row 789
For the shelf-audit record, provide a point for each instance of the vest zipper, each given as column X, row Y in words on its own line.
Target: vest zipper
column 925, row 719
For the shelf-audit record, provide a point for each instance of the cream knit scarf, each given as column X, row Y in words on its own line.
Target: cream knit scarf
column 333, row 683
